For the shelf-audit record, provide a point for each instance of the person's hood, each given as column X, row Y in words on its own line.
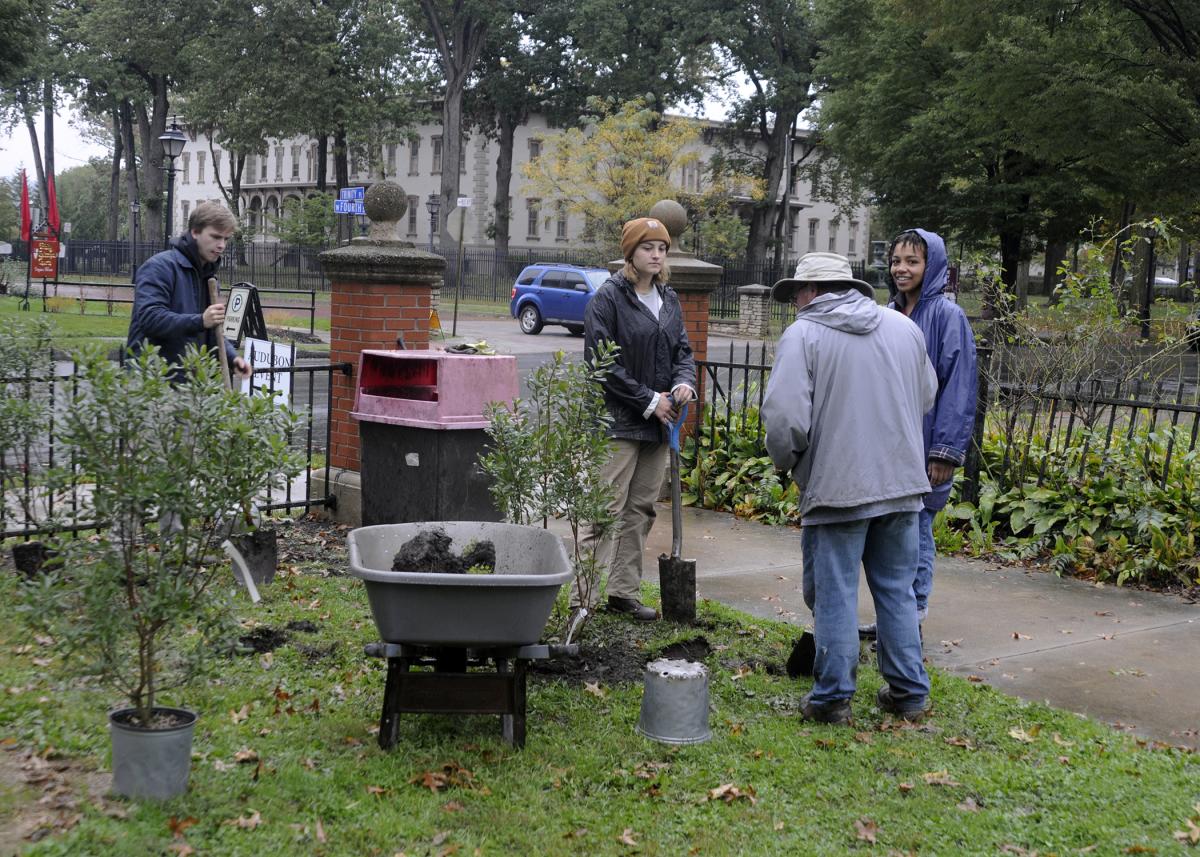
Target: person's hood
column 186, row 245
column 849, row 311
column 937, row 268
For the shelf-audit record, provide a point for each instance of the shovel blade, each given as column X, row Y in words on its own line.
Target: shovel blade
column 677, row 582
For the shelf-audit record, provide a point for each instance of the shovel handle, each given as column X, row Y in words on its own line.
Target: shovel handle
column 214, row 296
column 673, row 432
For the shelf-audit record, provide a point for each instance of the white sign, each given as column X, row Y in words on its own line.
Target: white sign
column 464, row 202
column 261, row 354
column 235, row 311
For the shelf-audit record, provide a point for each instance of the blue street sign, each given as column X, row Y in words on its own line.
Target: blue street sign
column 349, row 206
column 351, row 193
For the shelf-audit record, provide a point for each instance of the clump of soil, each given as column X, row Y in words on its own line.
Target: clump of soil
column 263, row 639
column 429, row 552
column 695, row 649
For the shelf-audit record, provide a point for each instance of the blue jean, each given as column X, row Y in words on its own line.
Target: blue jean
column 887, row 547
column 923, row 582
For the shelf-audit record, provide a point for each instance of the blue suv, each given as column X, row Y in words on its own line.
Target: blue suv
column 554, row 294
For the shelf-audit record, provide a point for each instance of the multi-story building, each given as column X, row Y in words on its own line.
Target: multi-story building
column 287, row 168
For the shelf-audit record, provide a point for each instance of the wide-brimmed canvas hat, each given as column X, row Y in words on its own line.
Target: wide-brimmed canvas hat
column 820, row 269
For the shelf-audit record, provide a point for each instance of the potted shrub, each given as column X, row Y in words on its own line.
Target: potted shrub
column 170, row 463
column 545, row 458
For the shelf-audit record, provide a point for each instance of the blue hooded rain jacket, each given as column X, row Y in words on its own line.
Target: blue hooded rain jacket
column 951, row 348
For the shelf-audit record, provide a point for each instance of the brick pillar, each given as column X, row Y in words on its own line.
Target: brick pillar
column 754, row 311
column 381, row 291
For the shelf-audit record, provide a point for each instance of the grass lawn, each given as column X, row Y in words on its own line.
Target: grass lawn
column 286, row 761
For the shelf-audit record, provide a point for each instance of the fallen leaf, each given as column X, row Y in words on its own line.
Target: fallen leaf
column 973, row 677
column 737, row 728
column 452, row 806
column 1061, row 741
column 1017, row 635
column 1106, row 636
column 440, row 838
column 267, row 660
column 779, row 825
column 1191, row 836
column 728, row 792
column 320, row 832
column 960, row 742
column 576, row 834
column 245, row 822
column 741, row 673
column 594, row 688
column 863, row 737
column 377, row 790
column 940, row 778
column 245, row 756
column 178, row 826
column 968, row 805
column 626, row 838
column 1104, row 612
column 181, row 849
column 1141, row 849
column 1023, row 736
column 865, row 830
column 905, row 788
column 241, row 714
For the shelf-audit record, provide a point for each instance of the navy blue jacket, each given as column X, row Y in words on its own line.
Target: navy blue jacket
column 169, row 299
column 951, row 348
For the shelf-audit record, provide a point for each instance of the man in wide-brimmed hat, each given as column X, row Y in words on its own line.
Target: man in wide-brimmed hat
column 848, row 388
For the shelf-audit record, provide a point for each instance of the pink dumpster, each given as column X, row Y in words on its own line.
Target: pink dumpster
column 421, row 425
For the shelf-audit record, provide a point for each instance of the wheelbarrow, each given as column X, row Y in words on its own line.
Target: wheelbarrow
column 677, row 576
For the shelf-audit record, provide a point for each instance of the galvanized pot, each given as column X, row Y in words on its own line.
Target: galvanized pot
column 675, row 702
column 151, row 763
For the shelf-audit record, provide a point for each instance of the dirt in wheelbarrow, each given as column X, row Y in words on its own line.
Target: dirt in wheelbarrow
column 429, row 552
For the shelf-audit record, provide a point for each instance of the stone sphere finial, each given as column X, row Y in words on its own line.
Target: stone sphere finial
column 385, row 203
column 673, row 216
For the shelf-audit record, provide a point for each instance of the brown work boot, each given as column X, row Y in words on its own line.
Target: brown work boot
column 836, row 713
column 632, row 607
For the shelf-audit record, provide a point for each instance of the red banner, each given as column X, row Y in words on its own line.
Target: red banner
column 43, row 258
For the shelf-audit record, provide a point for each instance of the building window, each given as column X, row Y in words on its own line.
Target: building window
column 295, row 163
column 311, row 165
column 200, row 167
column 414, row 151
column 279, row 163
column 833, row 236
column 812, row 234
column 184, row 206
column 462, row 158
column 262, row 167
column 853, row 238
column 413, row 210
column 533, row 208
column 793, row 228
column 535, row 150
column 560, row 225
column 390, row 159
column 691, row 177
column 216, row 165
column 187, row 167
column 437, row 155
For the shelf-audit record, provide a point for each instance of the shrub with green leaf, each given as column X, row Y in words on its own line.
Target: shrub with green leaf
column 142, row 601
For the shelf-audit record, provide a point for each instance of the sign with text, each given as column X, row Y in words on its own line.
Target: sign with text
column 349, row 206
column 464, row 202
column 235, row 312
column 264, row 356
column 43, row 259
column 352, row 192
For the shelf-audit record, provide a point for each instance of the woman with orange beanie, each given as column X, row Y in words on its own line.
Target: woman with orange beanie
column 653, row 376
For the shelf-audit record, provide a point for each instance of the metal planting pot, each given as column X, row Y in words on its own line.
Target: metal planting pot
column 151, row 763
column 675, row 702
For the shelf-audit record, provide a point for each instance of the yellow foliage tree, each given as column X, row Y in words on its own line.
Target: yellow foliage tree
column 625, row 160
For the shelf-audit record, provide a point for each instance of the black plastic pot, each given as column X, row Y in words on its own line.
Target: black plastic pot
column 151, row 763
column 260, row 550
column 31, row 557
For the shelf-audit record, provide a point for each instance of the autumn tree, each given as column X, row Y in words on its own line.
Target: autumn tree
column 621, row 163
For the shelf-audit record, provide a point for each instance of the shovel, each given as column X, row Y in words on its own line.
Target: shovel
column 677, row 577
column 214, row 296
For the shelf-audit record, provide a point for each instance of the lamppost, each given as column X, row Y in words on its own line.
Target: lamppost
column 173, row 141
column 433, row 205
column 134, row 208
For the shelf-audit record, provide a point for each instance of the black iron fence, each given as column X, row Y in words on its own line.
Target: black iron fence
column 26, row 509
column 1028, row 430
column 487, row 276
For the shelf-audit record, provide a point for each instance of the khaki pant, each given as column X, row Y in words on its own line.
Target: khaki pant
column 635, row 470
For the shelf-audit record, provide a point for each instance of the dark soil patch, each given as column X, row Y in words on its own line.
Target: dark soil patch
column 695, row 649
column 608, row 662
column 303, row 626
column 287, row 334
column 311, row 540
column 429, row 552
column 264, row 639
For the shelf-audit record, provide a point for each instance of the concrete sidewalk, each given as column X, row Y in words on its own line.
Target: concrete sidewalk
column 1121, row 656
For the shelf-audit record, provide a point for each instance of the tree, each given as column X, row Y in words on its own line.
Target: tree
column 990, row 121
column 83, row 199
column 771, row 43
column 309, row 222
column 622, row 163
column 10, row 211
column 458, row 29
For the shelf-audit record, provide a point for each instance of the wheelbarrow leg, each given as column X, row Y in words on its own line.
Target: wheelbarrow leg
column 389, row 721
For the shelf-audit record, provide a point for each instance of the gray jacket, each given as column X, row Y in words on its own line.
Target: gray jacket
column 848, row 389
